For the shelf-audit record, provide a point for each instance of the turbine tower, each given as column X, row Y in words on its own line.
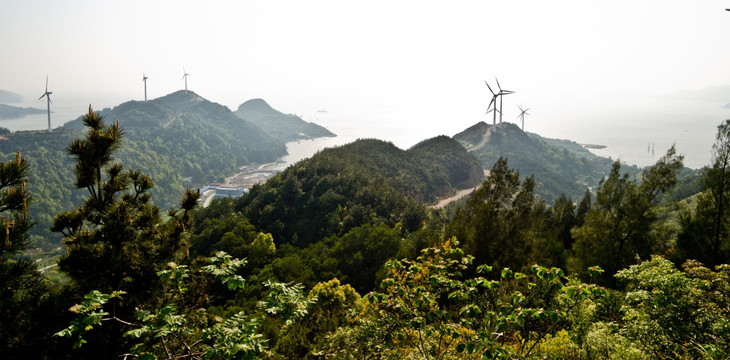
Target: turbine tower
column 500, row 93
column 492, row 109
column 47, row 94
column 144, row 79
column 522, row 114
column 185, row 77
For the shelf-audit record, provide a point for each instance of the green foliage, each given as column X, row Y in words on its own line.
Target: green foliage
column 336, row 306
column 363, row 251
column 224, row 268
column 286, row 301
column 428, row 309
column 90, row 313
column 175, row 328
column 673, row 313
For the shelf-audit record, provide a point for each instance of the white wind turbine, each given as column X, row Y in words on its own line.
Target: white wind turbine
column 493, row 109
column 185, row 77
column 144, row 79
column 522, row 114
column 47, row 94
column 500, row 93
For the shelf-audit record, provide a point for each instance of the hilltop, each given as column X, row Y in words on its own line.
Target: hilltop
column 279, row 125
column 559, row 166
column 185, row 126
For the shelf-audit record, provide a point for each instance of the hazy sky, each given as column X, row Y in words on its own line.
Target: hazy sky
column 305, row 55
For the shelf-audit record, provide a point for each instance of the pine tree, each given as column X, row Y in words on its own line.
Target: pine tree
column 116, row 240
column 21, row 285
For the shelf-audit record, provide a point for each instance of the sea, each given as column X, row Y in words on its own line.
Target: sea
column 637, row 133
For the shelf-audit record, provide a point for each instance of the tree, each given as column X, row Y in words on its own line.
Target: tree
column 705, row 233
column 622, row 221
column 21, row 285
column 116, row 240
column 335, row 307
column 494, row 224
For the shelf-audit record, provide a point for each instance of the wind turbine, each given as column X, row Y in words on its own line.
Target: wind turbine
column 47, row 94
column 493, row 109
column 522, row 114
column 144, row 79
column 500, row 93
column 185, row 77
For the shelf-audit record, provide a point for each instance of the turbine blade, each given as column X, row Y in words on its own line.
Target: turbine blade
column 46, row 83
column 490, row 88
column 499, row 86
column 41, row 96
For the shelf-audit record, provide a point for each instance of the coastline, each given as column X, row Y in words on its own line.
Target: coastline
column 298, row 150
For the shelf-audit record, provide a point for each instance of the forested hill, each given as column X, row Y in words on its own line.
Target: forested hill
column 279, row 125
column 205, row 140
column 560, row 167
column 344, row 187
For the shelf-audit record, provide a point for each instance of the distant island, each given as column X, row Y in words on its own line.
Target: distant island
column 279, row 125
column 593, row 146
column 727, row 106
column 15, row 112
column 9, row 97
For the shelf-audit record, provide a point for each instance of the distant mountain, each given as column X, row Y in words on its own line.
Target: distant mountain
column 279, row 125
column 559, row 166
column 15, row 112
column 727, row 106
column 9, row 97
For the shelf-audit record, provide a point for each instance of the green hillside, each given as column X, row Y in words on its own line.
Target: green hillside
column 279, row 125
column 344, row 187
